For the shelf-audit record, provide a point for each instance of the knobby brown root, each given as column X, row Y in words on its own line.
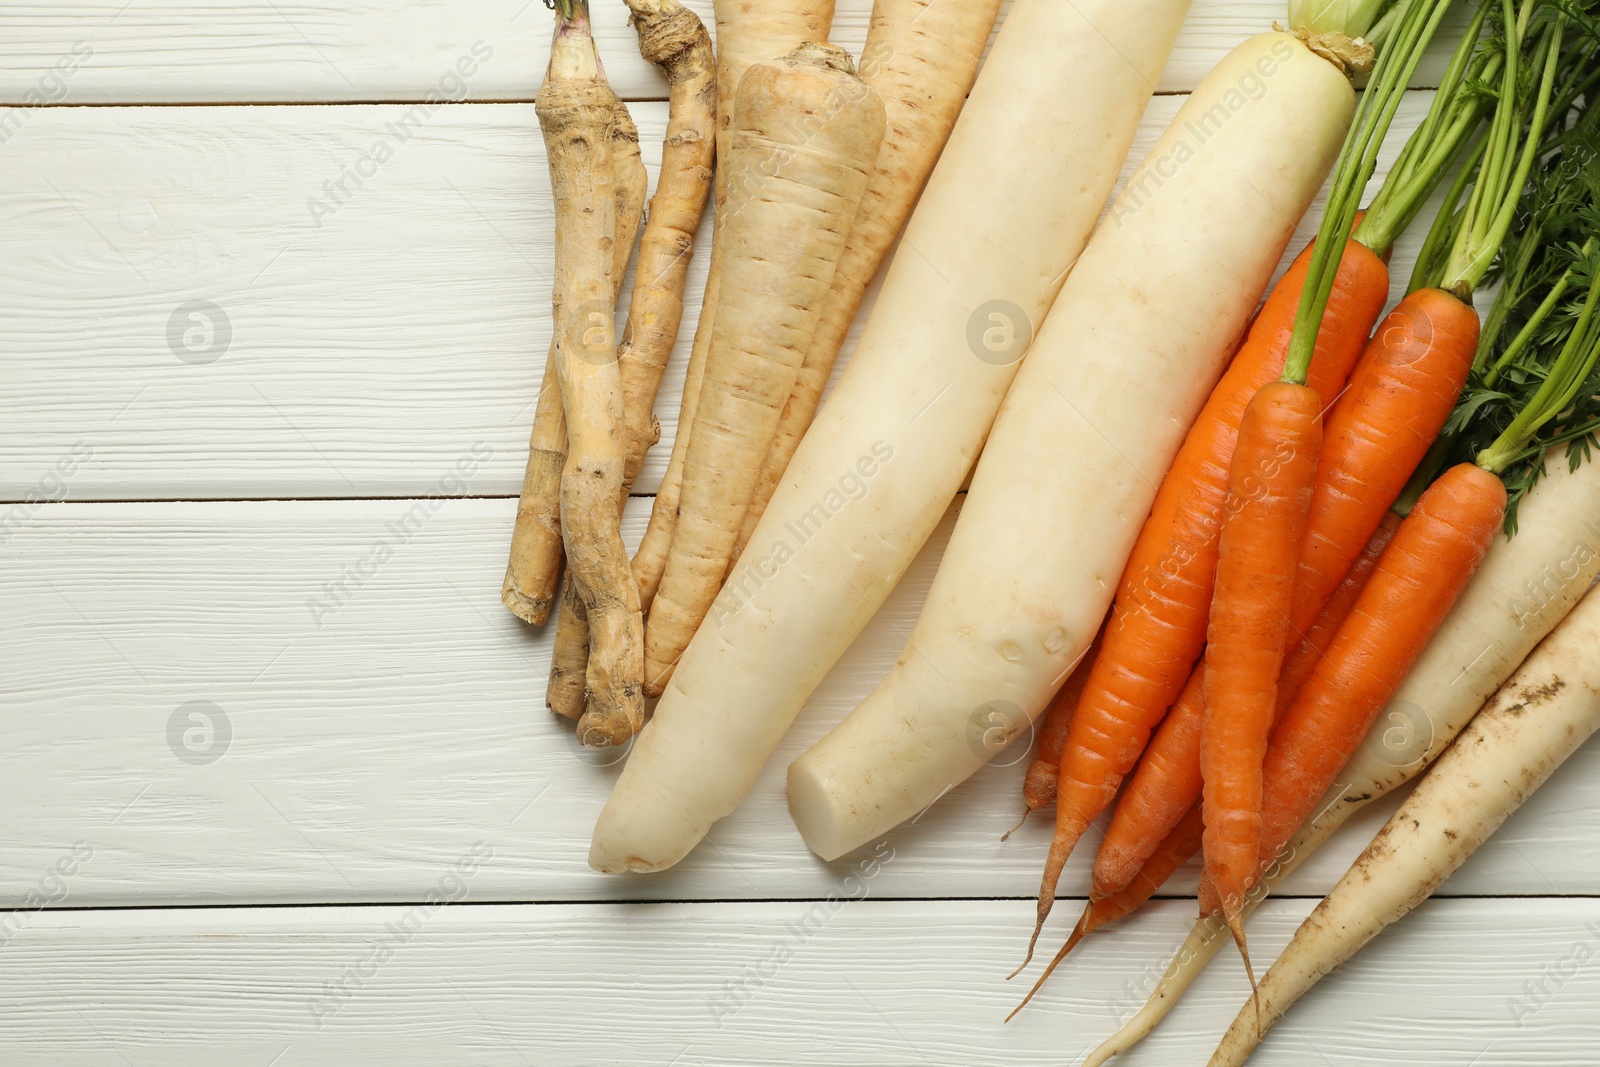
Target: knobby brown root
column 534, row 569
column 631, row 181
column 805, row 134
column 672, row 37
column 569, row 657
column 921, row 58
column 579, row 118
column 748, row 31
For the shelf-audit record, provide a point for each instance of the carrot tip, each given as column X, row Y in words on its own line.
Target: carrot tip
column 1236, row 927
column 1078, row 933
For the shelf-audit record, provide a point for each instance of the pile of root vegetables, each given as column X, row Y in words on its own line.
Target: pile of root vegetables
column 1219, row 539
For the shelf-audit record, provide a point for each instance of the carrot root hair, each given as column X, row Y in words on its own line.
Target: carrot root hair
column 1060, row 848
column 1007, row 835
column 1078, row 934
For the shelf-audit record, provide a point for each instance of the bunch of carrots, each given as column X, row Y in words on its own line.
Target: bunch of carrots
column 1310, row 538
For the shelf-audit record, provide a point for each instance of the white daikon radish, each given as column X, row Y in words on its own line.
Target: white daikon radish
column 1128, row 354
column 1006, row 211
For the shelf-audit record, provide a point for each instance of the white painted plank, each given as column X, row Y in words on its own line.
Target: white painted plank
column 368, row 731
column 368, row 348
column 892, row 984
column 183, row 51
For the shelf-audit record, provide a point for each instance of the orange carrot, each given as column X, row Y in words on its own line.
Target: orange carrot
column 1298, row 665
column 1039, row 786
column 1269, row 496
column 1157, row 625
column 1165, row 785
column 1167, row 781
column 1399, row 397
column 1433, row 555
column 1174, row 851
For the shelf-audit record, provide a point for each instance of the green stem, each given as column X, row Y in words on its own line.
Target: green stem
column 1524, row 336
column 1510, row 294
column 1413, row 30
column 1489, row 216
column 1441, row 235
column 1567, row 375
column 1434, row 146
column 1336, row 16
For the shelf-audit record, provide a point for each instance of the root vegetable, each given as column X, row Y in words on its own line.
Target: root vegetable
column 1048, row 121
column 1110, row 389
column 1172, row 852
column 805, row 133
column 920, row 57
column 565, row 692
column 1269, row 495
column 1419, row 576
column 529, row 589
column 578, row 120
column 748, row 31
column 1523, row 588
column 671, row 36
column 1039, row 784
column 1377, row 431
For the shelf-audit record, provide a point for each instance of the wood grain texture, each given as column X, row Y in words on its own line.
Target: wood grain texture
column 778, row 984
column 368, row 342
column 380, row 705
column 194, row 51
column 314, row 701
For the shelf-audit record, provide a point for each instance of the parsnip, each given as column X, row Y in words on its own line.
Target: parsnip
column 805, row 133
column 748, row 31
column 1048, row 122
column 921, row 57
column 1124, row 361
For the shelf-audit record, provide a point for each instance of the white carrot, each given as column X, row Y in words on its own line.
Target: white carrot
column 1007, row 209
column 805, row 133
column 921, row 57
column 1128, row 354
column 1544, row 714
column 1525, row 586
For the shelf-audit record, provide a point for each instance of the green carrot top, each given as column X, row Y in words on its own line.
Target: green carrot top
column 1412, row 27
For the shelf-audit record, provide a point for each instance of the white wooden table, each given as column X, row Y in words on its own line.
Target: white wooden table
column 274, row 824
